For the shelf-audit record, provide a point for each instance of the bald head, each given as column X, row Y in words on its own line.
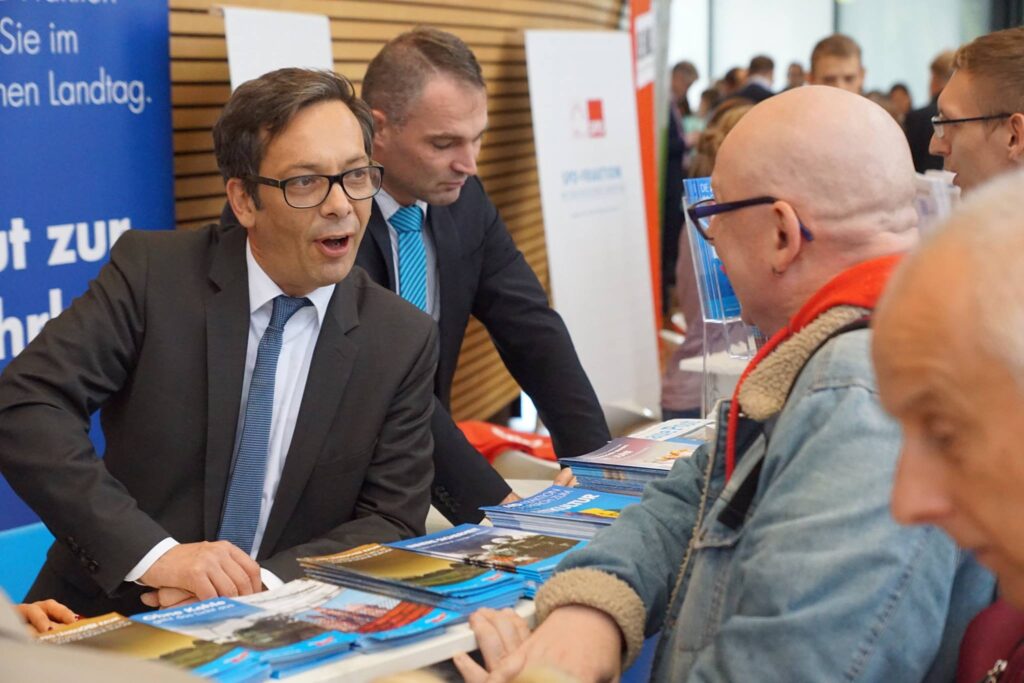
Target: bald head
column 840, row 171
column 838, row 158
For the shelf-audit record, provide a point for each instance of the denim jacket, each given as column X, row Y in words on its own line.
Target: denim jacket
column 794, row 570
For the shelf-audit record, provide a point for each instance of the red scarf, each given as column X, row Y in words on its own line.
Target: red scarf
column 860, row 285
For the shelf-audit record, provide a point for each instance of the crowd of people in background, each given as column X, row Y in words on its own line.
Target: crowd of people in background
column 693, row 140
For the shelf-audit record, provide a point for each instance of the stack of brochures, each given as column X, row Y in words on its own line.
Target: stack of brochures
column 532, row 556
column 276, row 633
column 629, row 463
column 560, row 511
column 281, row 641
column 377, row 621
column 115, row 633
column 411, row 576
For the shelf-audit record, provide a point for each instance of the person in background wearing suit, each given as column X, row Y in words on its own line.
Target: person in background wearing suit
column 261, row 398
column 760, row 75
column 918, row 124
column 435, row 238
column 684, row 74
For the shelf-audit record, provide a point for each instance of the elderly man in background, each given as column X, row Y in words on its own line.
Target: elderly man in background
column 979, row 131
column 771, row 555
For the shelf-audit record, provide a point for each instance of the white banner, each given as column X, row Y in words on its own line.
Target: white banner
column 588, row 158
column 260, row 41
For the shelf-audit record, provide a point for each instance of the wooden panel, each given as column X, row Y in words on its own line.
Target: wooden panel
column 507, row 163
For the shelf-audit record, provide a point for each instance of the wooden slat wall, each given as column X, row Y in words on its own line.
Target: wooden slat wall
column 508, row 168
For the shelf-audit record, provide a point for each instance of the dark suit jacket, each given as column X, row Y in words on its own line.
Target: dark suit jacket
column 755, row 92
column 483, row 274
column 918, row 126
column 158, row 343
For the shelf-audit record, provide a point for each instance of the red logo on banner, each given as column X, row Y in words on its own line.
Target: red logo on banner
column 595, row 118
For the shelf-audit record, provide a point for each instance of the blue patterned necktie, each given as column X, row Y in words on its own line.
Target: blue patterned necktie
column 242, row 503
column 412, row 255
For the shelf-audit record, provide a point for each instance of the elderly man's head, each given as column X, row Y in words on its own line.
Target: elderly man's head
column 840, row 171
column 949, row 352
column 983, row 106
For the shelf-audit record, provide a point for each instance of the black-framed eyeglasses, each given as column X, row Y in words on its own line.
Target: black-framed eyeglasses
column 938, row 122
column 701, row 212
column 308, row 191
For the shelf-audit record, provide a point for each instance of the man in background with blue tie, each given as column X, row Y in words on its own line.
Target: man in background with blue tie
column 262, row 400
column 437, row 240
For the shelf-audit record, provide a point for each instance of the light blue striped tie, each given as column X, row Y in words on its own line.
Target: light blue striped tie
column 412, row 255
column 242, row 503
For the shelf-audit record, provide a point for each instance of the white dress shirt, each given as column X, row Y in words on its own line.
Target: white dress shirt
column 388, row 206
column 300, row 336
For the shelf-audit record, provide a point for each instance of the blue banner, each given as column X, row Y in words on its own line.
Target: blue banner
column 85, row 154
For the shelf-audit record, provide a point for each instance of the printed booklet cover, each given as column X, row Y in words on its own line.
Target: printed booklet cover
column 280, row 640
column 411, row 576
column 532, row 556
column 635, row 456
column 225, row 662
column 679, row 429
column 562, row 511
column 378, row 620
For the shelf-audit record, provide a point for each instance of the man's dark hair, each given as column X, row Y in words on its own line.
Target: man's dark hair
column 732, row 77
column 395, row 78
column 261, row 108
column 835, row 45
column 761, row 64
column 685, row 68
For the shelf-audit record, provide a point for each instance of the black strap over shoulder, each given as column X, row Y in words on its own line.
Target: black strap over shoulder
column 735, row 512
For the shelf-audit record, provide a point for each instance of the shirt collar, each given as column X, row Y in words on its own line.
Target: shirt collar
column 389, row 205
column 760, row 80
column 263, row 290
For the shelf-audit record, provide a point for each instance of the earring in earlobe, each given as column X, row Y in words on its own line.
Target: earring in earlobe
column 776, row 272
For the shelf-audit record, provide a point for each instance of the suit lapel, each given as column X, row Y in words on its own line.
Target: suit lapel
column 329, row 371
column 447, row 250
column 380, row 237
column 227, row 334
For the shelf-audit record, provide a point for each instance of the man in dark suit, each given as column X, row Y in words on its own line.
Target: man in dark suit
column 261, row 399
column 760, row 75
column 918, row 123
column 436, row 238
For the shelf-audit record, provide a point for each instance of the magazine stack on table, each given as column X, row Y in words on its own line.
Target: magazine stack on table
column 377, row 621
column 402, row 574
column 627, row 464
column 561, row 511
column 532, row 556
column 285, row 643
column 112, row 632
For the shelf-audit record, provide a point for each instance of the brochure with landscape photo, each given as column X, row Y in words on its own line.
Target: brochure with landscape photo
column 378, row 620
column 225, row 662
column 280, row 640
column 407, row 575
